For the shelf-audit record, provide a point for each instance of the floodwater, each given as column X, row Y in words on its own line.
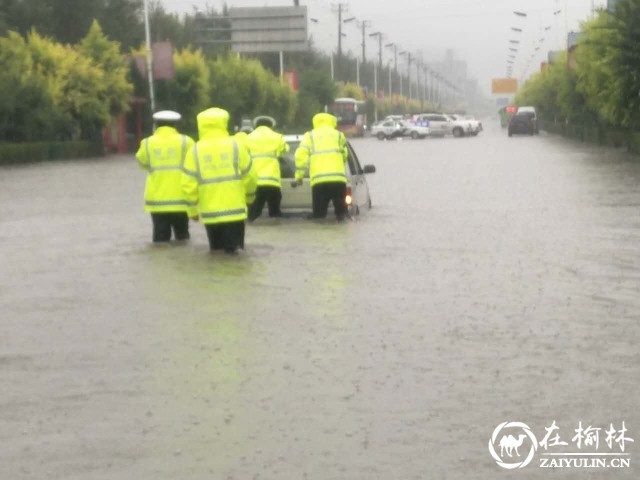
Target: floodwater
column 494, row 280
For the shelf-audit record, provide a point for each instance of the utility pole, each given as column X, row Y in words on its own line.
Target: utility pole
column 375, row 91
column 395, row 59
column 375, row 71
column 409, row 73
column 363, row 25
column 418, row 65
column 340, row 8
column 408, row 54
column 425, row 92
column 375, row 75
column 424, row 86
column 152, row 98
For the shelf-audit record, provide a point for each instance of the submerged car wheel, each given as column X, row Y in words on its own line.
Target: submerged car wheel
column 380, row 136
column 414, row 135
column 457, row 132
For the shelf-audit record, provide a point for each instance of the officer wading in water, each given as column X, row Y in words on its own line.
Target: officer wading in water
column 266, row 147
column 218, row 177
column 162, row 155
column 323, row 151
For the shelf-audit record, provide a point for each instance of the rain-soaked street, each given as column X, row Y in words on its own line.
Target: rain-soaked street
column 495, row 279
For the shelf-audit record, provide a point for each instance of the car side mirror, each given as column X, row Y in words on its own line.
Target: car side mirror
column 369, row 169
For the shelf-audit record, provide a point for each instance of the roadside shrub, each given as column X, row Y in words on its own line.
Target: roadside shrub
column 12, row 153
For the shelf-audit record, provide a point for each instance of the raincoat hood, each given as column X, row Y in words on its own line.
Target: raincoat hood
column 324, row 120
column 213, row 120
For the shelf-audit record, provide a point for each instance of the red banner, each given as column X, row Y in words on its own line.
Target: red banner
column 291, row 79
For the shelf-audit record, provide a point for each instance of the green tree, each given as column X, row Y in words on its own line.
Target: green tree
column 29, row 112
column 244, row 88
column 188, row 91
column 351, row 90
column 608, row 59
column 75, row 82
column 122, row 21
column 316, row 90
column 115, row 89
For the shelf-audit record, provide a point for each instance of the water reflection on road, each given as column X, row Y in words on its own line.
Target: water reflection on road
column 495, row 279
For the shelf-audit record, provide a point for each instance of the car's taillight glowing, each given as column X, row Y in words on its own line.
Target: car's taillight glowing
column 348, row 199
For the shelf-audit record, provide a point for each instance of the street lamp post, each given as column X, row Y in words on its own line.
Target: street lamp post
column 395, row 62
column 341, row 9
column 147, row 33
column 375, row 72
column 408, row 54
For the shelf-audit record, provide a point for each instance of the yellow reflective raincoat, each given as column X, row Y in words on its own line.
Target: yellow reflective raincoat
column 218, row 176
column 162, row 155
column 266, row 147
column 324, row 151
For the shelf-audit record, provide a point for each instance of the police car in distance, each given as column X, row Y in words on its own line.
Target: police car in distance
column 297, row 199
column 415, row 129
column 388, row 129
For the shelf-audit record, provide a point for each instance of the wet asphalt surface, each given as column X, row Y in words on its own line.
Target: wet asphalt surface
column 494, row 280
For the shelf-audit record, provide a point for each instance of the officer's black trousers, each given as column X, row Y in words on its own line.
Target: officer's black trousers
column 228, row 236
column 323, row 193
column 163, row 222
column 269, row 195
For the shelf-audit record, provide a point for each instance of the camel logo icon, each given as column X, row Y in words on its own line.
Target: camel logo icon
column 512, row 439
column 509, row 443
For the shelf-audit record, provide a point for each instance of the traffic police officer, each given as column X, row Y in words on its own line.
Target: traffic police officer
column 323, row 151
column 162, row 155
column 266, row 147
column 218, row 177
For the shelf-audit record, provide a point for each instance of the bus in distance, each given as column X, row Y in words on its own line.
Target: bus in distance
column 351, row 116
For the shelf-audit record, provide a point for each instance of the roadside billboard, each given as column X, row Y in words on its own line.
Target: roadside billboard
column 268, row 29
column 503, row 86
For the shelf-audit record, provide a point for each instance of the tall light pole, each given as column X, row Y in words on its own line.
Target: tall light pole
column 340, row 8
column 363, row 26
column 379, row 35
column 348, row 20
column 375, row 71
column 147, row 33
column 395, row 62
column 408, row 54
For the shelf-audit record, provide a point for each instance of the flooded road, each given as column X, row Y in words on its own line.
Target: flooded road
column 494, row 280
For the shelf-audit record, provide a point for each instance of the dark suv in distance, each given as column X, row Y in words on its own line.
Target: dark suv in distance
column 522, row 123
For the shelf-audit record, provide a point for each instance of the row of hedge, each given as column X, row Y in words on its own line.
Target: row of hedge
column 44, row 151
column 596, row 134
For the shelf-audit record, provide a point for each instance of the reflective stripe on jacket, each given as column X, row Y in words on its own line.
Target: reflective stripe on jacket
column 266, row 147
column 163, row 155
column 324, row 152
column 218, row 177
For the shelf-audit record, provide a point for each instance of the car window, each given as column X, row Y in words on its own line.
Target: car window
column 288, row 162
column 352, row 160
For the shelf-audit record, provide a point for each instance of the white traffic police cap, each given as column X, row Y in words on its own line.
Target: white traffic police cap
column 167, row 116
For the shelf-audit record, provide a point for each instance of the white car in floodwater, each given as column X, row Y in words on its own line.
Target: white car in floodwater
column 415, row 129
column 297, row 199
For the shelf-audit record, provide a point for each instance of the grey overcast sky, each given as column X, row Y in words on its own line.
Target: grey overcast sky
column 478, row 31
